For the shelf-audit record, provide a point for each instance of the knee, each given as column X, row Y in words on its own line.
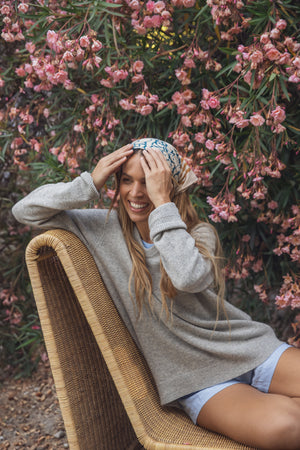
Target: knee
column 283, row 429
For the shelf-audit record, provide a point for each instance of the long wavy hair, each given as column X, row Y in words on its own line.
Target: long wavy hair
column 140, row 275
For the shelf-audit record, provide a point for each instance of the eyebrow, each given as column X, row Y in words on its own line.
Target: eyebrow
column 129, row 176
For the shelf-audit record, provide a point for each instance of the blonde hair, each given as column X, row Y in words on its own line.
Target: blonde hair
column 140, row 274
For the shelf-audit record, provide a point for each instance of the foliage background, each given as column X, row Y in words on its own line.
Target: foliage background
column 217, row 78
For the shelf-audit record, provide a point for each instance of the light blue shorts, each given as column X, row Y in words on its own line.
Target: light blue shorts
column 260, row 378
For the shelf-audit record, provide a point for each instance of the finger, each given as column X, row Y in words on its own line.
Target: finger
column 126, row 150
column 161, row 158
column 150, row 158
column 145, row 165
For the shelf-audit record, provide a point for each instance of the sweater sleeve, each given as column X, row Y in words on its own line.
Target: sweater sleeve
column 50, row 206
column 188, row 269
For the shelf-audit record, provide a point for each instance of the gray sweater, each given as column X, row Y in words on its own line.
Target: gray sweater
column 184, row 353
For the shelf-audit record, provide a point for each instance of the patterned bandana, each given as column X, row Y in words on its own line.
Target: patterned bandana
column 182, row 173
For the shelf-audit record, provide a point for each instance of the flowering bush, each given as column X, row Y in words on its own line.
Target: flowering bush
column 217, row 78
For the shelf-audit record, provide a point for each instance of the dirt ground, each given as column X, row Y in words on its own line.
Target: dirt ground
column 30, row 416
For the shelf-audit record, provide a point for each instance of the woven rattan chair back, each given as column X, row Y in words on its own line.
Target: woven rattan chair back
column 106, row 392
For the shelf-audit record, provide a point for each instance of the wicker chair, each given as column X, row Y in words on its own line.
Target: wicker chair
column 105, row 390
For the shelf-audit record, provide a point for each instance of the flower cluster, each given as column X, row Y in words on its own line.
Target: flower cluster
column 224, row 208
column 289, row 293
column 228, row 14
column 219, row 79
column 150, row 15
column 8, row 299
column 289, row 238
column 43, row 72
column 273, row 50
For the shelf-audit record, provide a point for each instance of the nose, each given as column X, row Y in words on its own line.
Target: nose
column 136, row 189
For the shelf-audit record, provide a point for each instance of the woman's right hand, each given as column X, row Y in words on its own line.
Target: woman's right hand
column 110, row 164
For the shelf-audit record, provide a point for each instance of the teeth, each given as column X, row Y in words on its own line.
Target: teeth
column 138, row 205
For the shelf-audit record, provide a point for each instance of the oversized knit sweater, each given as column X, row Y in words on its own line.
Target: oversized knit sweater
column 188, row 351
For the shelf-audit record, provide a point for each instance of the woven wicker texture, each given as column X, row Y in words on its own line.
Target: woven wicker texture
column 78, row 318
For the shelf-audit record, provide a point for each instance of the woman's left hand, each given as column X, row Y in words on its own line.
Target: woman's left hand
column 157, row 176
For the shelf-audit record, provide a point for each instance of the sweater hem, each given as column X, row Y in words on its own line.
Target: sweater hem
column 231, row 372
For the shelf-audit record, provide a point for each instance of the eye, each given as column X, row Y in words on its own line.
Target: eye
column 125, row 179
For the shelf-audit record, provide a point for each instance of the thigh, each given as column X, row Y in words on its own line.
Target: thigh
column 286, row 378
column 249, row 416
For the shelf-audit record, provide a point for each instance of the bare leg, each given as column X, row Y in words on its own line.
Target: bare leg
column 286, row 378
column 241, row 412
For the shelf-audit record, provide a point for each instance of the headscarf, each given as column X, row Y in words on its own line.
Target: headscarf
column 180, row 170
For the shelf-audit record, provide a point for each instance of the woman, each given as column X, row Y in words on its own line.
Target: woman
column 161, row 266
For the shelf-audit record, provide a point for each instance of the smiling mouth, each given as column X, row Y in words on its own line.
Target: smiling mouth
column 137, row 206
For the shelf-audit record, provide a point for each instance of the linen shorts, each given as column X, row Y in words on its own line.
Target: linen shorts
column 260, row 378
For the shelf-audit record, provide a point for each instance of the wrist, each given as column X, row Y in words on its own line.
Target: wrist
column 161, row 201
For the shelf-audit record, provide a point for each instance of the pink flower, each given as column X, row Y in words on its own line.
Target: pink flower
column 257, row 120
column 60, row 77
column 159, row 7
column 69, row 85
column 79, row 54
column 278, row 114
column 137, row 78
column 141, row 99
column 205, row 94
column 28, row 68
column 209, row 144
column 126, row 104
column 275, row 33
column 146, row 110
column 68, row 56
column 204, row 104
column 296, row 62
column 178, row 98
column 294, row 79
column 257, row 57
column 54, row 150
column 200, row 137
column 119, row 74
column 153, row 21
column 138, row 66
column 285, row 58
column 281, row 24
column 96, row 46
column 150, row 5
column 52, row 37
column 30, row 47
column 8, row 37
column 5, row 10
column 273, row 54
column 279, row 128
column 153, row 99
column 213, row 102
column 134, row 4
column 272, row 204
column 23, row 8
column 78, row 128
column 186, row 121
column 182, row 76
column 242, row 123
column 84, row 41
column 156, row 20
column 189, row 3
column 264, row 39
column 20, row 72
column 188, row 62
column 247, row 77
column 46, row 113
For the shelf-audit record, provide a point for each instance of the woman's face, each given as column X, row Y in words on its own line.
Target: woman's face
column 134, row 195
